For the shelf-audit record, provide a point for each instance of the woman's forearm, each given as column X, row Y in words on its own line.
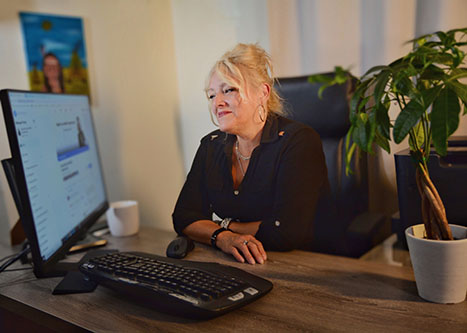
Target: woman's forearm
column 241, row 242
column 201, row 230
column 246, row 228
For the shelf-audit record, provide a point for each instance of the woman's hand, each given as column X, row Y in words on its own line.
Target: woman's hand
column 242, row 247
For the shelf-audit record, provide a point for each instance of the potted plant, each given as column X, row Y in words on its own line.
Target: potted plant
column 425, row 85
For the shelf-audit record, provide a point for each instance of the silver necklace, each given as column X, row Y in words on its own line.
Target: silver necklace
column 239, row 154
column 241, row 166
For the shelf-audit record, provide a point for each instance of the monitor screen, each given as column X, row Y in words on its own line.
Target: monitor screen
column 57, row 167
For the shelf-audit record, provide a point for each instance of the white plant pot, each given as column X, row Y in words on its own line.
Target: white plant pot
column 440, row 267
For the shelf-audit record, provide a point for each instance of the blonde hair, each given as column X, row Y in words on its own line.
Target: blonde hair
column 247, row 66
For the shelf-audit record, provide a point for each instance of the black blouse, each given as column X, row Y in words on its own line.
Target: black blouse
column 285, row 178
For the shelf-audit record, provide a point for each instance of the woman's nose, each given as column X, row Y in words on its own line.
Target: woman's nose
column 220, row 100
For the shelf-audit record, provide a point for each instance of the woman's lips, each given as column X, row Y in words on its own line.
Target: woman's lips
column 221, row 114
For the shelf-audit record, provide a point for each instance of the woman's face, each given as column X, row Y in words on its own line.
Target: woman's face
column 51, row 68
column 233, row 112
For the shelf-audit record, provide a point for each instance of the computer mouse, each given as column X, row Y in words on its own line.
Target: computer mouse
column 179, row 247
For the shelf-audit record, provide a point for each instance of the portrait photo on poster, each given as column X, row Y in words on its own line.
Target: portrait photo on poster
column 55, row 51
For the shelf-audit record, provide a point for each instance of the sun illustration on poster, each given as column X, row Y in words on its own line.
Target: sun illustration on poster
column 46, row 25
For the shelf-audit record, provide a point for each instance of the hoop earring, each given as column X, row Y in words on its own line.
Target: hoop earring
column 212, row 119
column 261, row 112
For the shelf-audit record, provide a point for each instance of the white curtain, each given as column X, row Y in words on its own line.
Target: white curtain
column 310, row 36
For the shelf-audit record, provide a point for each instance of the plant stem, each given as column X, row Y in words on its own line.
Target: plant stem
column 436, row 203
column 413, row 137
column 426, row 133
column 425, row 208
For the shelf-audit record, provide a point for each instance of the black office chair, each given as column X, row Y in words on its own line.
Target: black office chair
column 343, row 225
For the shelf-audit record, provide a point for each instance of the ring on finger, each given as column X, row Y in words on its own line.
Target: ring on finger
column 245, row 242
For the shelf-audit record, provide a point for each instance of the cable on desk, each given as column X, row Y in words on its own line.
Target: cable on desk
column 7, row 257
column 13, row 258
column 18, row 269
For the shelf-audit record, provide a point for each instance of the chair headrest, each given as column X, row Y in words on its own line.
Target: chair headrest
column 328, row 115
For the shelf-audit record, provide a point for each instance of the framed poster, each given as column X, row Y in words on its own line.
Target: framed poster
column 55, row 53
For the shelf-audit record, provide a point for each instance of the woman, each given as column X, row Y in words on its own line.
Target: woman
column 53, row 74
column 260, row 172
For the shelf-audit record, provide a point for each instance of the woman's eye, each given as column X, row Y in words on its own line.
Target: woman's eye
column 210, row 97
column 229, row 90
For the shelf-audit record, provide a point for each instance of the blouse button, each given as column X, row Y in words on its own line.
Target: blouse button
column 277, row 223
column 236, row 192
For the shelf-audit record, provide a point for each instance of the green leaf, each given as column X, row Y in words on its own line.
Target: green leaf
column 382, row 119
column 458, row 56
column 408, row 118
column 321, row 90
column 319, row 78
column 375, row 69
column 464, row 30
column 430, row 95
column 432, row 72
column 444, row 118
column 348, row 156
column 420, row 39
column 419, row 132
column 442, row 36
column 348, row 138
column 444, row 59
column 359, row 133
column 395, row 65
column 363, row 103
column 381, row 141
column 457, row 73
column 403, row 84
column 459, row 88
column 371, row 129
column 381, row 82
column 353, row 105
column 341, row 75
column 364, row 131
column 355, row 101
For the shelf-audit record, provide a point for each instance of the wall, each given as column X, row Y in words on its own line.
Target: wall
column 204, row 30
column 384, row 40
column 130, row 50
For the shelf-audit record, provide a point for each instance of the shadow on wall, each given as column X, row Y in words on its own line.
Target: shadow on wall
column 106, row 124
column 6, row 222
column 382, row 186
column 179, row 137
column 109, row 142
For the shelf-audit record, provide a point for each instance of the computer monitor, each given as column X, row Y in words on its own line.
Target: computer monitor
column 58, row 171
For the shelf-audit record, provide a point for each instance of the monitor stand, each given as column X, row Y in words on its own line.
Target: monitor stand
column 74, row 281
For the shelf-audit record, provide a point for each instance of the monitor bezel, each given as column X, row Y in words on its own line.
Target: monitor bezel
column 44, row 268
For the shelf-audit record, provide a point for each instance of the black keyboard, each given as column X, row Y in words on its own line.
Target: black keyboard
column 180, row 287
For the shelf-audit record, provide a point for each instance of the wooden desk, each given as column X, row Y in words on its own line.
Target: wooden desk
column 312, row 292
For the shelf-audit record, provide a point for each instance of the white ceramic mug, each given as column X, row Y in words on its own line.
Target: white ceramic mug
column 123, row 218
